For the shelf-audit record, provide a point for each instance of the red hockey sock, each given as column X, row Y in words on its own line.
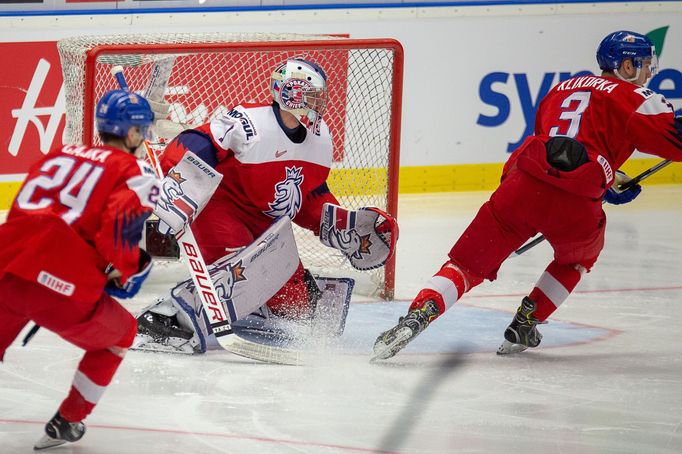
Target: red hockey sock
column 553, row 287
column 94, row 374
column 446, row 287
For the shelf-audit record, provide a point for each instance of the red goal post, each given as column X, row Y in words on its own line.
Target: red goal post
column 216, row 71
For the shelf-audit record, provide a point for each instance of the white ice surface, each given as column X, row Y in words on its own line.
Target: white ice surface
column 607, row 378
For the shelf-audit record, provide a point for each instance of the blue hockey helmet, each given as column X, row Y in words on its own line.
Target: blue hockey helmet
column 622, row 45
column 119, row 110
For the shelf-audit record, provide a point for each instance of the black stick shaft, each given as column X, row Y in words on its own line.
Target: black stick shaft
column 32, row 332
column 644, row 175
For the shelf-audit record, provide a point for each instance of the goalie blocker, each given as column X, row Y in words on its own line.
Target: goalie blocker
column 185, row 191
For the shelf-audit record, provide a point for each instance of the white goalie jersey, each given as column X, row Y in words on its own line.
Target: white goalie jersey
column 266, row 174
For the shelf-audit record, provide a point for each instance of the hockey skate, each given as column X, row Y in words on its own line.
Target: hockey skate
column 158, row 332
column 522, row 332
column 59, row 431
column 395, row 339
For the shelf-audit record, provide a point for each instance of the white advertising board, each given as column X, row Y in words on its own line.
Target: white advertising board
column 473, row 77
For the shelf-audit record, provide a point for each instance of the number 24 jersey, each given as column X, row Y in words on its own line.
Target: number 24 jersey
column 79, row 211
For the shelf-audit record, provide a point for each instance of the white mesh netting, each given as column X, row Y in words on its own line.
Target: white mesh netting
column 213, row 72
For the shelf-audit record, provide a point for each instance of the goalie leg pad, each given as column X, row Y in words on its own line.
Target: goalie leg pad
column 176, row 323
column 328, row 319
column 332, row 306
column 244, row 282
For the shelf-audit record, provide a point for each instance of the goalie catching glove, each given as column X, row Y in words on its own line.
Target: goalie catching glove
column 366, row 237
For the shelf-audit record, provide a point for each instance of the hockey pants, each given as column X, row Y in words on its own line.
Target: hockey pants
column 104, row 329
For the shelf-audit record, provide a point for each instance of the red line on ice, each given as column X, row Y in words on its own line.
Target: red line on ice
column 211, row 434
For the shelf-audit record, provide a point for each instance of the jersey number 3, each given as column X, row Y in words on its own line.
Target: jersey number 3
column 575, row 115
column 65, row 177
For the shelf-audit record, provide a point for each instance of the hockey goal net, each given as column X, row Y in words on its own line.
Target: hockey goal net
column 214, row 72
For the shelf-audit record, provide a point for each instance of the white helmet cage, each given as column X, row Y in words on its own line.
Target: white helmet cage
column 299, row 86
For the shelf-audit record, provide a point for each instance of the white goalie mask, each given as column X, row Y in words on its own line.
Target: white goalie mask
column 300, row 87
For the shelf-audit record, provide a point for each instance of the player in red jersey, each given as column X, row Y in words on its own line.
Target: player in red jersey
column 554, row 183
column 71, row 242
column 274, row 160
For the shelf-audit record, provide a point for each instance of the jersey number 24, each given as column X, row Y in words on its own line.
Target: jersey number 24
column 66, row 178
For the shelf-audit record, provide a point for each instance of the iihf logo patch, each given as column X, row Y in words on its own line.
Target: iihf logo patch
column 288, row 196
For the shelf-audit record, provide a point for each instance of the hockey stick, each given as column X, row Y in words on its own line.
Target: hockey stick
column 32, row 332
column 157, row 79
column 218, row 317
column 624, row 187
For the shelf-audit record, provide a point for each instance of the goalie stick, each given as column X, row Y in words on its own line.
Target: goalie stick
column 624, row 187
column 219, row 319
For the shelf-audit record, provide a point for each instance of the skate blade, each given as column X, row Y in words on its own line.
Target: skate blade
column 145, row 343
column 47, row 442
column 508, row 348
column 385, row 351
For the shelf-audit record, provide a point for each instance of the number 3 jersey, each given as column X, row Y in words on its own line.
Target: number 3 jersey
column 79, row 210
column 267, row 172
column 610, row 118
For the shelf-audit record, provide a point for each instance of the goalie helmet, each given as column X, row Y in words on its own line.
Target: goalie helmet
column 300, row 87
column 119, row 110
column 622, row 45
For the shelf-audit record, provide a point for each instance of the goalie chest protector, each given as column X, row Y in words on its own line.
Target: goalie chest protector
column 266, row 175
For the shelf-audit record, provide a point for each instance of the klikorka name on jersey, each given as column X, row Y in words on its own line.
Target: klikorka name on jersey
column 588, row 82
